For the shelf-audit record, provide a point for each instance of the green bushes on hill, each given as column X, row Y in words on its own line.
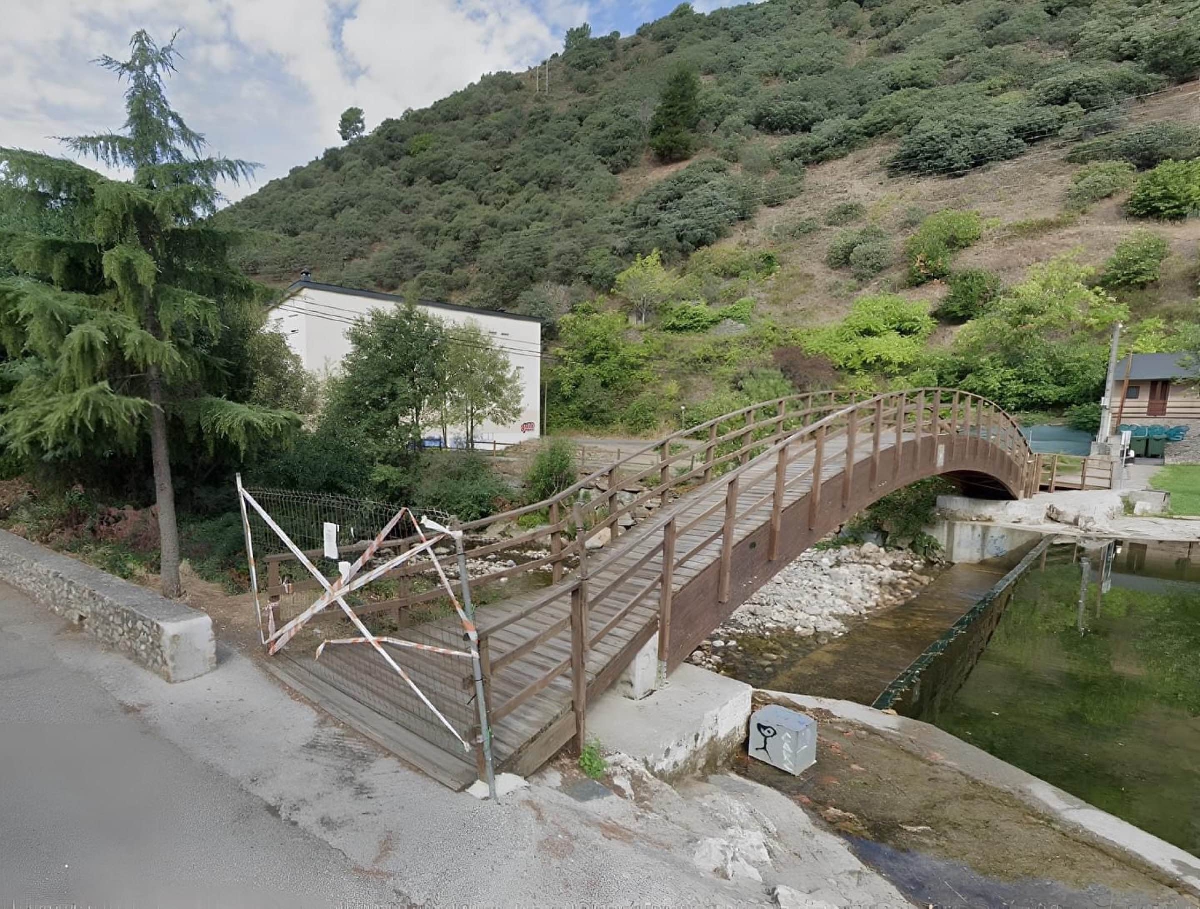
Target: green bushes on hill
column 881, row 334
column 1136, row 261
column 971, row 292
column 930, row 249
column 1097, row 181
column 1143, row 147
column 1169, row 192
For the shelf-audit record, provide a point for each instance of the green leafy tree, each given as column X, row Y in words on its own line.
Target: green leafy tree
column 577, row 38
column 391, row 384
column 1137, row 261
column 597, row 371
column 645, row 285
column 119, row 294
column 1043, row 343
column 1169, row 192
column 672, row 128
column 351, row 125
column 481, row 382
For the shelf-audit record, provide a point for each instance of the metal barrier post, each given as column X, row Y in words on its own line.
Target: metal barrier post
column 485, row 732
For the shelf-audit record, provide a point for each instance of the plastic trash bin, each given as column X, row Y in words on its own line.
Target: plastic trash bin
column 1156, row 445
column 1138, row 446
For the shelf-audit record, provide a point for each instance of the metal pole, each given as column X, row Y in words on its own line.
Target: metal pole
column 1083, row 585
column 1105, row 430
column 485, row 732
column 250, row 556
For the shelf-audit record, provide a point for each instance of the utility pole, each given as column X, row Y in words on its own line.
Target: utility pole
column 1110, row 378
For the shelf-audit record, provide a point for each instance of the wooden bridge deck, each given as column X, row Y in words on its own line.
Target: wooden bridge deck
column 767, row 503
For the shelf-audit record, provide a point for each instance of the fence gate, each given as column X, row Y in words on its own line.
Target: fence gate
column 327, row 574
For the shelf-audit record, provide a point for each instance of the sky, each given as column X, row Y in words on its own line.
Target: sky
column 266, row 80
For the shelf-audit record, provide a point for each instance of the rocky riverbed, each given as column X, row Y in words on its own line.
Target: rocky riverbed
column 817, row 597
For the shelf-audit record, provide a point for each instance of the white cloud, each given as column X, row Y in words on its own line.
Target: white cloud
column 264, row 79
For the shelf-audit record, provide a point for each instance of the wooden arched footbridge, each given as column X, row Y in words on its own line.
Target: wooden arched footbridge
column 695, row 523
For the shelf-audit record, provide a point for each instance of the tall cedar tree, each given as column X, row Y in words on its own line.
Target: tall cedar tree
column 114, row 295
column 351, row 125
column 675, row 118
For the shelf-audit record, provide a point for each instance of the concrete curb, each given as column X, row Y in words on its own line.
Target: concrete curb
column 1179, row 865
column 167, row 637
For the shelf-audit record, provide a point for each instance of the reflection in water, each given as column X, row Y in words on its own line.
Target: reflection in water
column 1112, row 714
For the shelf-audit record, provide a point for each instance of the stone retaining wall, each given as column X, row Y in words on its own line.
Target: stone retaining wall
column 170, row 638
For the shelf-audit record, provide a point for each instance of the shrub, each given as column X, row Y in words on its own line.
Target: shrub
column 870, row 258
column 801, row 227
column 1170, row 192
column 1097, row 181
column 1136, row 261
column 641, row 415
column 591, row 760
column 1084, row 417
column 741, row 311
column 1143, row 147
column 806, row 372
column 883, row 333
column 845, row 213
column 321, row 461
column 841, row 250
column 928, row 251
column 971, row 290
column 690, row 317
column 553, row 469
column 954, row 144
column 461, row 483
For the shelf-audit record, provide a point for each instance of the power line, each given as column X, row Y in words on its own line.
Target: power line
column 350, row 317
column 453, row 340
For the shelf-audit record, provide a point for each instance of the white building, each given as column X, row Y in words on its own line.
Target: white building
column 315, row 319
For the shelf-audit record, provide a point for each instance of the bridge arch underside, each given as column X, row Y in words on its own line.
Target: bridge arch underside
column 977, row 467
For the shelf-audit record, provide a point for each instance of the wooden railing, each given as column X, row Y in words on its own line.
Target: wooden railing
column 803, row 450
column 653, row 473
column 1058, row 472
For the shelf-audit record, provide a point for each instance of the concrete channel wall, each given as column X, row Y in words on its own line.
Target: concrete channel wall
column 167, row 637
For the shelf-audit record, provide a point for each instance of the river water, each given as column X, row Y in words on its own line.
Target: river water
column 1103, row 703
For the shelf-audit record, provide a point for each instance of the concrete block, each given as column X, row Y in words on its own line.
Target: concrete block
column 166, row 636
column 783, row 738
column 641, row 678
column 970, row 542
column 693, row 725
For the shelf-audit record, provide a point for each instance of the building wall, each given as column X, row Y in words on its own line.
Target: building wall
column 1183, row 403
column 321, row 343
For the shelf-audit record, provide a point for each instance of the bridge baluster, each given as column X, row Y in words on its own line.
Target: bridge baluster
column 876, row 441
column 727, row 531
column 814, row 494
column 777, row 502
column 582, row 554
column 665, row 596
column 851, row 441
column 901, row 406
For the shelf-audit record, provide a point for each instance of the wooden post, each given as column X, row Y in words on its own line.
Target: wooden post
column 851, row 442
column 610, row 497
column 727, row 531
column 582, row 589
column 777, row 503
column 665, row 595
column 782, row 417
column 991, row 432
column 746, row 437
column 814, row 494
column 953, row 443
column 556, row 570
column 710, row 452
column 919, row 422
column 579, row 666
column 1053, row 471
column 876, row 441
column 664, row 472
column 901, row 406
column 485, row 665
column 937, row 423
column 1083, row 475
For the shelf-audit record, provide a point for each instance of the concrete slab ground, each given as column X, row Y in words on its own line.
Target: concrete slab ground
column 693, row 723
column 116, row 787
column 938, row 748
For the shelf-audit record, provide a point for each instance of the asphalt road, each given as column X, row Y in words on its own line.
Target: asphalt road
column 96, row 809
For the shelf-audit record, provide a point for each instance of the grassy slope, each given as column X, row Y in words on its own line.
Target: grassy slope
column 316, row 214
column 1182, row 481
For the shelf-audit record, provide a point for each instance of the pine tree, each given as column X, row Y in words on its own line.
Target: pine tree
column 115, row 295
column 351, row 125
column 677, row 114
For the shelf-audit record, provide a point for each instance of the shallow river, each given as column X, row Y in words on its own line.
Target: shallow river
column 1110, row 713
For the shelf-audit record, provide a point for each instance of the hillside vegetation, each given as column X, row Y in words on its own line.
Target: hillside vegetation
column 790, row 194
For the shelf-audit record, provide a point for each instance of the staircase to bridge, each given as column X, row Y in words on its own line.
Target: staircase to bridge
column 718, row 509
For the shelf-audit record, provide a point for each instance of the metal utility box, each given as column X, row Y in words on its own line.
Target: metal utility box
column 783, row 738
